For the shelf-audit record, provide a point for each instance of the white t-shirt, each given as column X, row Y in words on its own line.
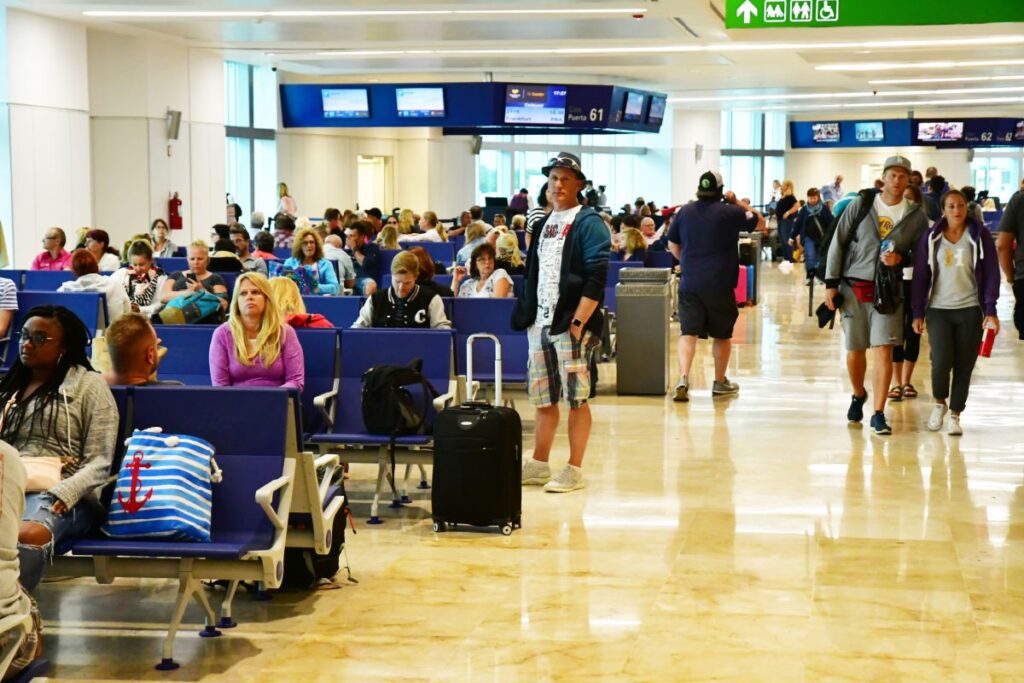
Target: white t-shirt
column 549, row 253
column 468, row 288
column 889, row 216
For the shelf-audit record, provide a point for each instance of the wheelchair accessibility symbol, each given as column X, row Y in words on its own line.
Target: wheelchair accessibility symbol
column 827, row 10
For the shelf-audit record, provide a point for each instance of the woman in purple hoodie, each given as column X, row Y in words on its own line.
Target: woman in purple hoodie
column 955, row 288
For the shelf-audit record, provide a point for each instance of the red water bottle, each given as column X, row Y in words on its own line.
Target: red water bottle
column 985, row 350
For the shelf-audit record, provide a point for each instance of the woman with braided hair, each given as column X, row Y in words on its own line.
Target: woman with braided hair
column 60, row 416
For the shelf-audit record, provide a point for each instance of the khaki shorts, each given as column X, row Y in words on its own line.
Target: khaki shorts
column 864, row 327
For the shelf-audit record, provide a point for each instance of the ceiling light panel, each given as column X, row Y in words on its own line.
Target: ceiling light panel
column 894, row 66
column 904, row 103
column 945, row 79
column 848, row 95
column 355, row 14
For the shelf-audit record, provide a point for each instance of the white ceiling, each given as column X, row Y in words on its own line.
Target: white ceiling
column 720, row 63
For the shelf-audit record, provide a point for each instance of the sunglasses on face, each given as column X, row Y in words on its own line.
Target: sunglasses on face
column 36, row 338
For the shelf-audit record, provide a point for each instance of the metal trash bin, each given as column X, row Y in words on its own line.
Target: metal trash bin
column 644, row 300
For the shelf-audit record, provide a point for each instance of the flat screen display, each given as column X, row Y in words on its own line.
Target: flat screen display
column 940, row 131
column 347, row 103
column 826, row 132
column 634, row 107
column 535, row 104
column 420, row 103
column 870, row 131
column 657, row 112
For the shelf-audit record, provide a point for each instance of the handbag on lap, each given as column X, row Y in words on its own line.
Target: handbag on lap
column 164, row 488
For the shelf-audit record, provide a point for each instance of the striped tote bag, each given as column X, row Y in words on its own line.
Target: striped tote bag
column 163, row 489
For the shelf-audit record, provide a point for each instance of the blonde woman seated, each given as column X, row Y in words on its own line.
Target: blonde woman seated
column 404, row 303
column 510, row 258
column 388, row 237
column 432, row 229
column 485, row 281
column 254, row 348
column 634, row 245
column 308, row 250
column 197, row 278
column 291, row 306
column 476, row 234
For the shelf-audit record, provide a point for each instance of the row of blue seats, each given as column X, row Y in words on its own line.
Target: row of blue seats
column 271, row 498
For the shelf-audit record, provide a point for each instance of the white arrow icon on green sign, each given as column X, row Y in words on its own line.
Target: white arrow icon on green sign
column 746, row 10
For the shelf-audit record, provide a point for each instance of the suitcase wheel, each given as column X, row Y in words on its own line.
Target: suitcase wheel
column 439, row 527
column 506, row 529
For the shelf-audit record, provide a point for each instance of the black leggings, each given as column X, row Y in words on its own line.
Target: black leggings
column 954, row 336
column 910, row 350
column 1018, row 307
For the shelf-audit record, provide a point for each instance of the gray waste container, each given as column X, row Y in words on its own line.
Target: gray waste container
column 644, row 303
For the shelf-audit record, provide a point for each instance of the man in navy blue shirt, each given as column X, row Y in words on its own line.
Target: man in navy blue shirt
column 704, row 238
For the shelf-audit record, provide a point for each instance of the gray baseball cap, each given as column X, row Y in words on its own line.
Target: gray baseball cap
column 898, row 162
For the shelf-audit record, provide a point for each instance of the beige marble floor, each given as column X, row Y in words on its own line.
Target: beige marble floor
column 755, row 539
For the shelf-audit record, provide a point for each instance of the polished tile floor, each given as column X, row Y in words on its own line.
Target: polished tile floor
column 754, row 539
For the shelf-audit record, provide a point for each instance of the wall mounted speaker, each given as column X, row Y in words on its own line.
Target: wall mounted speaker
column 173, row 124
column 477, row 143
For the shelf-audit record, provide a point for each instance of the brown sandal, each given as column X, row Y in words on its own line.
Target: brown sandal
column 909, row 391
column 896, row 394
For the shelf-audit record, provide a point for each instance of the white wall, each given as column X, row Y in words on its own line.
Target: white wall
column 690, row 129
column 133, row 82
column 48, row 105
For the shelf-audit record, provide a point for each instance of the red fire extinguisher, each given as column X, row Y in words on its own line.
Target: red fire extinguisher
column 174, row 212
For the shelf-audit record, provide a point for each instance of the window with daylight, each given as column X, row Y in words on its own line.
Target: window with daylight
column 507, row 163
column 753, row 153
column 998, row 171
column 251, row 149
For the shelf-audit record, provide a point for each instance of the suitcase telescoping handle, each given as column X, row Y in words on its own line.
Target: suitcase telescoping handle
column 497, row 364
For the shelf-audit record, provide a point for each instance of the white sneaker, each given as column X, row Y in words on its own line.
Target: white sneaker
column 953, row 427
column 938, row 414
column 569, row 479
column 536, row 473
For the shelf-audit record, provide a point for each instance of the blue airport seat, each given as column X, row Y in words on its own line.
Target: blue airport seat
column 90, row 307
column 321, row 358
column 492, row 316
column 613, row 279
column 341, row 311
column 283, row 253
column 187, row 359
column 445, row 280
column 181, row 252
column 386, row 257
column 521, row 236
column 659, row 259
column 172, row 265
column 46, row 280
column 439, row 251
column 15, row 276
column 458, row 242
column 229, row 280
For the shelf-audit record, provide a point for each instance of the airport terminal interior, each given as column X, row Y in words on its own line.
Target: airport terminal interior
column 754, row 532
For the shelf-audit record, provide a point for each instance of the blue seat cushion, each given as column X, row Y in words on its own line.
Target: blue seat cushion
column 366, row 439
column 304, row 519
column 225, row 545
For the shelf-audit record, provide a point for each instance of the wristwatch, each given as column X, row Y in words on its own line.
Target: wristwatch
column 576, row 322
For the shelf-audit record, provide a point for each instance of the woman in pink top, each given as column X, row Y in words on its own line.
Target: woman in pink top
column 255, row 348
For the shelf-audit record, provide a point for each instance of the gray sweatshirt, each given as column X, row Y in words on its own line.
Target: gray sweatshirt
column 84, row 437
column 860, row 260
column 12, row 482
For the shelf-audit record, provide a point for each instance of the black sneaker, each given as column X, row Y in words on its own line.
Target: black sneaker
column 855, row 414
column 879, row 425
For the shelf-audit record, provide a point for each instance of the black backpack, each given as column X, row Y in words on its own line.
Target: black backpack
column 390, row 409
column 304, row 569
column 867, row 198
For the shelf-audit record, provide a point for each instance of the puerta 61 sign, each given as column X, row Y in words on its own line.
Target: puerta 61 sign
column 830, row 13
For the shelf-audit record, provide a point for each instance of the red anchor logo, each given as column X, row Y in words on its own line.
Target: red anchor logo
column 133, row 505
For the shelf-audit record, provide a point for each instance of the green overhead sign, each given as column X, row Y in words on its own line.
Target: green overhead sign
column 831, row 13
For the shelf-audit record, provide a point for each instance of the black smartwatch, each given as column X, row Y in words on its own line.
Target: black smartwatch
column 576, row 322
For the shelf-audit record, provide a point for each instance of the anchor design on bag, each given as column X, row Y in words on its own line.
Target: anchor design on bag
column 133, row 504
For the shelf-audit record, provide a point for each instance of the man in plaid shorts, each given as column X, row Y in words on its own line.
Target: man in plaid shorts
column 566, row 271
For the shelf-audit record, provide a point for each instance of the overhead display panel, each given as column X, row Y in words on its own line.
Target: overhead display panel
column 964, row 133
column 960, row 133
column 835, row 13
column 475, row 108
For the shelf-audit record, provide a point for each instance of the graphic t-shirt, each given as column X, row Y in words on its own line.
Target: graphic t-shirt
column 954, row 285
column 549, row 253
column 889, row 216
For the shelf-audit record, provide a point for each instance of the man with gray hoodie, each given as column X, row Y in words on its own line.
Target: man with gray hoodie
column 887, row 235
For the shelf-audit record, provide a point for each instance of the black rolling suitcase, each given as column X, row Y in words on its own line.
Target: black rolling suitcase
column 478, row 459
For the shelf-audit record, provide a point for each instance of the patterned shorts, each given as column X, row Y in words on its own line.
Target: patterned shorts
column 27, row 652
column 559, row 367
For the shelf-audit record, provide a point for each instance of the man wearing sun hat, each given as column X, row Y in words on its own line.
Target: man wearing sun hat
column 559, row 307
column 888, row 234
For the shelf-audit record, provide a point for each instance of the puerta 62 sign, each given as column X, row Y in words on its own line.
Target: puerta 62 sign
column 830, row 13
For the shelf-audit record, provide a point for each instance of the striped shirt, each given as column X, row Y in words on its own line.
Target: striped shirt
column 8, row 295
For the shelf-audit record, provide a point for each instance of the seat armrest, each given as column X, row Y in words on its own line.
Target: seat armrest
column 330, row 461
column 265, row 496
column 324, row 404
column 445, row 400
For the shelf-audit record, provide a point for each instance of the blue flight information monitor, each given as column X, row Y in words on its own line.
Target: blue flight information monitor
column 634, row 107
column 535, row 105
column 420, row 103
column 657, row 113
column 347, row 103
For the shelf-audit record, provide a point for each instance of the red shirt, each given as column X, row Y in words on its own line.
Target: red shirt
column 45, row 261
